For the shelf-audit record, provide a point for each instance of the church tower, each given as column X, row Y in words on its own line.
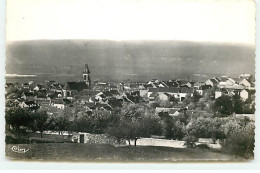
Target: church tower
column 86, row 75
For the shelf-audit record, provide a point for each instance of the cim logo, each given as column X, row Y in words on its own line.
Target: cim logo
column 17, row 149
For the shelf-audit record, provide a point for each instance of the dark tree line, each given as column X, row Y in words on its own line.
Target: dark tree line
column 134, row 121
column 17, row 118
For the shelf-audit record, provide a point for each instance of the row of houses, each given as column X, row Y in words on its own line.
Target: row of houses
column 106, row 96
column 55, row 96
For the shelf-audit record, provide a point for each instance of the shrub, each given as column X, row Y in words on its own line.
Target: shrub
column 190, row 141
column 241, row 142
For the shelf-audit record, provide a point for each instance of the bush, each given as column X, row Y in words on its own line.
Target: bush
column 190, row 141
column 241, row 142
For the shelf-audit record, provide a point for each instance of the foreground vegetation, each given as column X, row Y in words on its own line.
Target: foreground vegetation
column 133, row 121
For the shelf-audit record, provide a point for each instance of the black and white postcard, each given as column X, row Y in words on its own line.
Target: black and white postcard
column 140, row 81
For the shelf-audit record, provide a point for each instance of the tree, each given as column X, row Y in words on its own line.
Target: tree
column 101, row 120
column 238, row 104
column 17, row 117
column 155, row 104
column 241, row 140
column 173, row 99
column 190, row 141
column 41, row 121
column 187, row 100
column 61, row 123
column 196, row 96
column 224, row 105
column 173, row 128
column 206, row 127
column 165, row 104
column 135, row 121
column 81, row 124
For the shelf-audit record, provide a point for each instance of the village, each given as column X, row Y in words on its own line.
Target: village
column 87, row 96
column 83, row 111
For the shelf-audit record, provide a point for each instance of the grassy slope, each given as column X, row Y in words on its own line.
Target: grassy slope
column 91, row 152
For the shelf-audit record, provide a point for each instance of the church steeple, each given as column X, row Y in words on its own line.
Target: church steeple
column 86, row 75
column 86, row 69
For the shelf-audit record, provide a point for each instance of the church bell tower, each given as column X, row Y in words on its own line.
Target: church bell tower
column 86, row 75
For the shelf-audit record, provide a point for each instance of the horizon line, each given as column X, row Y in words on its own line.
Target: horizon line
column 135, row 40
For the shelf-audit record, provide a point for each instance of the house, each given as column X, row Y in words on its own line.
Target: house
column 199, row 91
column 162, row 84
column 53, row 95
column 206, row 87
column 100, row 97
column 212, row 82
column 218, row 94
column 8, row 85
column 184, row 92
column 25, row 85
column 143, row 92
column 90, row 106
column 230, row 82
column 131, row 98
column 86, row 98
column 126, row 87
column 27, row 95
column 152, row 95
column 134, row 86
column 153, row 81
column 171, row 91
column 188, row 84
column 164, row 96
column 56, row 87
column 32, row 105
column 71, row 88
column 43, row 104
column 234, row 87
column 244, row 82
column 11, row 103
column 114, row 92
column 37, row 87
column 58, row 103
column 12, row 96
column 103, row 106
column 244, row 94
column 197, row 85
column 107, row 94
column 178, row 93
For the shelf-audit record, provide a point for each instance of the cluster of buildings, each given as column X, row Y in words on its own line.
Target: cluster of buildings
column 85, row 96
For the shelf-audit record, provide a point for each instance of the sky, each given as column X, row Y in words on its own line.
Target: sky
column 228, row 21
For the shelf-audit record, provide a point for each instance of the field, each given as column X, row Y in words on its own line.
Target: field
column 108, row 153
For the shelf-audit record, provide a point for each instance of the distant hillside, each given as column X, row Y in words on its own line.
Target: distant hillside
column 121, row 59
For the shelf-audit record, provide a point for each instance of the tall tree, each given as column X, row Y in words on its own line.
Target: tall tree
column 224, row 105
column 41, row 121
column 135, row 121
column 238, row 104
